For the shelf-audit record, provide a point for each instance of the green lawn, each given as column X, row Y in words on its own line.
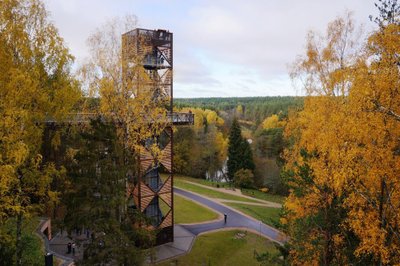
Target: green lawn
column 248, row 192
column 186, row 211
column 265, row 214
column 263, row 196
column 202, row 181
column 208, row 192
column 225, row 248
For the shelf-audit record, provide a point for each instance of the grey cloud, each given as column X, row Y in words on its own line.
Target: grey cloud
column 256, row 38
column 263, row 35
column 190, row 70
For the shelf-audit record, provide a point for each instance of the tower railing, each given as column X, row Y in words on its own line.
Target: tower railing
column 76, row 118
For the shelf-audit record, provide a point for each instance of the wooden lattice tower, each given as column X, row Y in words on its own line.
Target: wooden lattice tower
column 152, row 192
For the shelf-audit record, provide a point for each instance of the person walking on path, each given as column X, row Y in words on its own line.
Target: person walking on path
column 73, row 249
column 225, row 217
column 69, row 248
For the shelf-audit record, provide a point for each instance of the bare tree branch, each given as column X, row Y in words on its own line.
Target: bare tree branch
column 385, row 110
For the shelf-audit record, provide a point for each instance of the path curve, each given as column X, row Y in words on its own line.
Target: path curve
column 235, row 219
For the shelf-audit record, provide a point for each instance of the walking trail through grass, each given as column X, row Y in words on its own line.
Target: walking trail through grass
column 210, row 192
column 257, row 208
column 207, row 188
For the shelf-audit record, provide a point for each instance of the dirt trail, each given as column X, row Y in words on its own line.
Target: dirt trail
column 237, row 192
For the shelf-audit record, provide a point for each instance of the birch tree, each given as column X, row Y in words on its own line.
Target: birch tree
column 344, row 164
column 35, row 84
column 128, row 100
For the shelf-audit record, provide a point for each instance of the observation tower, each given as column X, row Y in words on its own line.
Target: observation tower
column 151, row 191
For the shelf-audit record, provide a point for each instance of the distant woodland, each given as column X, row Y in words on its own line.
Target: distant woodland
column 261, row 120
column 254, row 109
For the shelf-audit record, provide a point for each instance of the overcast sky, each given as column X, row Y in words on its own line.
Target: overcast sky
column 222, row 48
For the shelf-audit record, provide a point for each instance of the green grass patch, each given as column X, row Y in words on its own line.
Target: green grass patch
column 248, row 192
column 234, row 247
column 263, row 196
column 186, row 211
column 208, row 192
column 267, row 215
column 202, row 181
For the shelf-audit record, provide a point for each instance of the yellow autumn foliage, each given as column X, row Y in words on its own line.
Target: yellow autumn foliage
column 349, row 129
column 272, row 122
column 35, row 84
column 203, row 117
column 128, row 101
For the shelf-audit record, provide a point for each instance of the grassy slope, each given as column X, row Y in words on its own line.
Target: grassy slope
column 248, row 192
column 187, row 211
column 263, row 196
column 222, row 248
column 208, row 192
column 265, row 214
column 201, row 181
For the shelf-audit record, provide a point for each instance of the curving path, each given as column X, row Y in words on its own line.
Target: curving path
column 235, row 219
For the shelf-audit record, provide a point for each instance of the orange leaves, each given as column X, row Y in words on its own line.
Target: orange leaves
column 272, row 122
column 350, row 132
column 131, row 97
column 372, row 236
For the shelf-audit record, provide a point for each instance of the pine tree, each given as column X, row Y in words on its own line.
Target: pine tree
column 240, row 155
column 247, row 156
column 98, row 174
column 234, row 149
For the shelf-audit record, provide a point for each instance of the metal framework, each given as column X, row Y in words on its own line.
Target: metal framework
column 84, row 118
column 152, row 193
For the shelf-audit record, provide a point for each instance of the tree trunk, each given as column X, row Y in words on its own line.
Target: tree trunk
column 381, row 214
column 19, row 242
column 326, row 261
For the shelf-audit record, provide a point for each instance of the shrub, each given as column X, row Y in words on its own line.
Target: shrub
column 244, row 178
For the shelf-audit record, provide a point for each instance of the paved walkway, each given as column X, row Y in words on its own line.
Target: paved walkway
column 59, row 243
column 235, row 219
column 183, row 241
column 56, row 246
column 184, row 235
